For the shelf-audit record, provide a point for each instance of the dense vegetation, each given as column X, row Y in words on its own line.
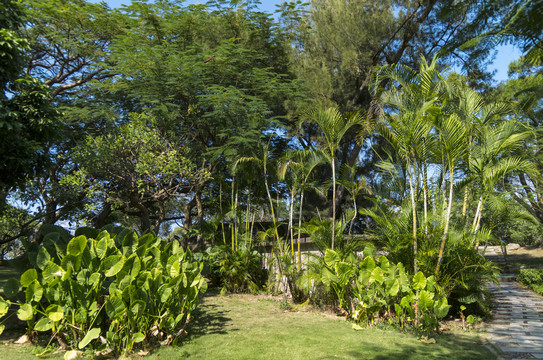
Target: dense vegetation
column 224, row 130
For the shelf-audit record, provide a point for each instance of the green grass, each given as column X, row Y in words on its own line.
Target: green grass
column 250, row 327
column 526, row 260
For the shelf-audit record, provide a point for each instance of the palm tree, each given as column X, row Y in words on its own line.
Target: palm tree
column 407, row 123
column 354, row 186
column 262, row 161
column 333, row 125
column 493, row 159
column 453, row 135
column 301, row 163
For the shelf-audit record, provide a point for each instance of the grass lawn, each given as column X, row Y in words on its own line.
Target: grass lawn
column 524, row 258
column 255, row 327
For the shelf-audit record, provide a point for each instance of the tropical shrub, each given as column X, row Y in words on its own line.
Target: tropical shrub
column 463, row 272
column 236, row 269
column 532, row 278
column 108, row 291
column 369, row 290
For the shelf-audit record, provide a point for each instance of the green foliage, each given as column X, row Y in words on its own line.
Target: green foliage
column 236, row 270
column 123, row 288
column 532, row 278
column 368, row 290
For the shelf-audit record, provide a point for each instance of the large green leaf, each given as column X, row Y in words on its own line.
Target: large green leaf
column 28, row 277
column 77, row 245
column 344, row 271
column 430, row 283
column 377, row 275
column 25, row 312
column 43, row 258
column 425, row 300
column 419, row 281
column 44, row 324
column 367, row 264
column 92, row 334
column 101, row 248
column 164, row 292
column 51, row 272
column 11, row 288
column 71, row 263
column 34, row 291
column 55, row 312
column 138, row 337
column 94, row 279
column 115, row 307
column 393, row 287
column 328, row 277
column 441, row 308
column 4, row 307
column 370, row 251
column 384, row 263
column 113, row 264
column 137, row 307
column 331, row 257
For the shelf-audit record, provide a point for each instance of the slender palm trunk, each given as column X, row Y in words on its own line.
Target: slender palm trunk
column 414, row 206
column 443, row 193
column 475, row 225
column 476, row 221
column 300, row 230
column 466, row 190
column 333, row 202
column 276, row 234
column 447, row 220
column 465, row 203
column 248, row 217
column 232, row 209
column 425, row 194
column 290, row 219
column 222, row 216
column 353, row 219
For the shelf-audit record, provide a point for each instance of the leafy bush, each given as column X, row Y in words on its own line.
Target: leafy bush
column 236, row 270
column 112, row 292
column 368, row 291
column 532, row 278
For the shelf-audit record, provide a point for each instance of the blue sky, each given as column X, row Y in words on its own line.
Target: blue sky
column 506, row 53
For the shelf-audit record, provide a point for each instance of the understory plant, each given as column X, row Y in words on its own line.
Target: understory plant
column 236, row 269
column 107, row 290
column 369, row 291
column 532, row 278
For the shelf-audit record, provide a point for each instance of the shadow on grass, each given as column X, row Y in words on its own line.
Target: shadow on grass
column 209, row 319
column 456, row 347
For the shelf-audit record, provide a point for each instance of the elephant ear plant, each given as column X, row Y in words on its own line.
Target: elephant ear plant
column 369, row 291
column 107, row 292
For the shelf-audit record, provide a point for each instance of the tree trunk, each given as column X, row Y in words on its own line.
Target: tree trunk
column 200, row 215
column 425, row 194
column 414, row 205
column 101, row 218
column 446, row 230
column 300, row 230
column 333, row 202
